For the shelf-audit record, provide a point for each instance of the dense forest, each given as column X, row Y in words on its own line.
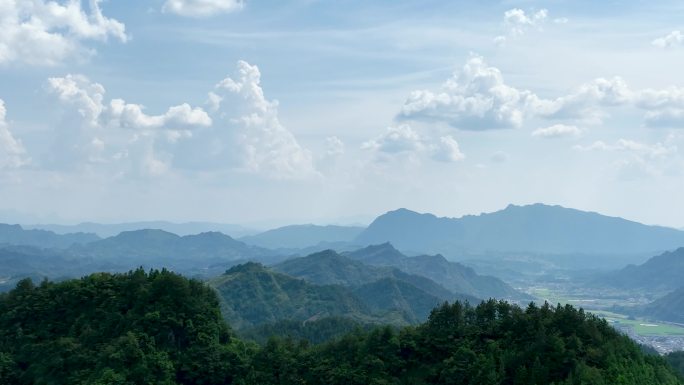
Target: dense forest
column 160, row 328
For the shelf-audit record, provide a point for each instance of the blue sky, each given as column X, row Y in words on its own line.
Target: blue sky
column 270, row 112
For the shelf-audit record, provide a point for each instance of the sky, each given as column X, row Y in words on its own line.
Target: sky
column 310, row 111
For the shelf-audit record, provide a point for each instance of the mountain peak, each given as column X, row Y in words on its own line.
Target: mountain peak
column 249, row 267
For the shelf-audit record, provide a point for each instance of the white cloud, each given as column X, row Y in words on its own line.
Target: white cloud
column 334, row 146
column 115, row 133
column 396, row 140
column 12, row 151
column 672, row 39
column 260, row 141
column 639, row 160
column 557, row 131
column 88, row 97
column 447, row 150
column 518, row 22
column 404, row 140
column 40, row 32
column 474, row 98
column 202, row 8
column 657, row 150
column 477, row 98
column 240, row 132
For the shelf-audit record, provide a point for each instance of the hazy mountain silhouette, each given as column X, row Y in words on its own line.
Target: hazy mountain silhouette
column 111, row 229
column 535, row 228
column 664, row 272
column 668, row 308
column 302, row 236
column 452, row 275
column 330, row 268
column 17, row 235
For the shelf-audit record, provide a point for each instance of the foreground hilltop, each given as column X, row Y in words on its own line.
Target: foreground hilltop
column 161, row 328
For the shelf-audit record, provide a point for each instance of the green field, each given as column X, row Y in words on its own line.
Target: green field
column 641, row 327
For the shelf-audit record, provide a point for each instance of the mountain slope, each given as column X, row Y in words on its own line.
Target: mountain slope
column 17, row 235
column 252, row 295
column 328, row 267
column 111, row 229
column 453, row 276
column 390, row 294
column 302, row 236
column 535, row 228
column 664, row 272
column 668, row 308
column 159, row 248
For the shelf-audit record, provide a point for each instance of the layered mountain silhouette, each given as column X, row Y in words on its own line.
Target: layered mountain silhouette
column 111, row 229
column 328, row 267
column 534, row 228
column 664, row 272
column 17, row 235
column 452, row 275
column 303, row 236
column 159, row 245
column 668, row 308
column 253, row 295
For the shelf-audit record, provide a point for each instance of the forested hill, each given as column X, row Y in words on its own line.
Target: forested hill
column 160, row 328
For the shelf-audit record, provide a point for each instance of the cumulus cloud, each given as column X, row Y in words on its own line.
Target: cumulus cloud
column 557, row 131
column 41, row 32
column 201, row 8
column 517, row 22
column 12, row 151
column 639, row 160
column 476, row 97
column 395, row 140
column 672, row 39
column 404, row 140
column 249, row 127
column 88, row 98
column 334, row 146
column 240, row 131
column 447, row 150
column 116, row 132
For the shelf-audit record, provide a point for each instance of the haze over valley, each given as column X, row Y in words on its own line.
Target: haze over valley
column 299, row 192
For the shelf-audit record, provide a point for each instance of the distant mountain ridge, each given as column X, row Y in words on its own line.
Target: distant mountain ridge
column 330, row 268
column 668, row 308
column 17, row 235
column 105, row 230
column 452, row 275
column 534, row 228
column 158, row 248
column 663, row 272
column 302, row 236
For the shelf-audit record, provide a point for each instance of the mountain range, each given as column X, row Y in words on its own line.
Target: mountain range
column 536, row 228
column 664, row 272
column 330, row 268
column 452, row 275
column 105, row 230
column 17, row 235
column 303, row 236
column 251, row 295
column 669, row 308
